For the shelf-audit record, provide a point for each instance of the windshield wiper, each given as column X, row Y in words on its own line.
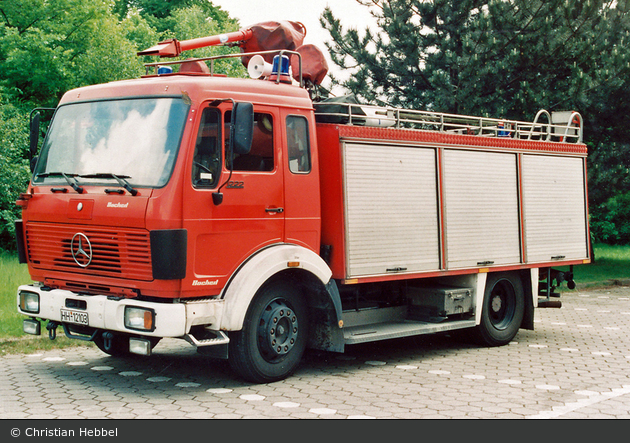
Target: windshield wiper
column 121, row 179
column 70, row 178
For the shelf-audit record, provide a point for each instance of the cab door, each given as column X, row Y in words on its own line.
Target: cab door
column 301, row 180
column 251, row 215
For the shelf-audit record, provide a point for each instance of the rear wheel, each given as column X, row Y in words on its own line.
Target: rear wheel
column 274, row 335
column 502, row 310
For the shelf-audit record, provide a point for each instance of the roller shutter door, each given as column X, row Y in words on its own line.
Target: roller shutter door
column 481, row 208
column 391, row 209
column 554, row 208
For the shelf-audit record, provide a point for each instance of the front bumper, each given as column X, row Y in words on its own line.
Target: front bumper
column 107, row 313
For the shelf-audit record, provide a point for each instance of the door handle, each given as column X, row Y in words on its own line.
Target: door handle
column 275, row 210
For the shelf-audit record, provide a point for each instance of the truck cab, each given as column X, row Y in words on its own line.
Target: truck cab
column 155, row 191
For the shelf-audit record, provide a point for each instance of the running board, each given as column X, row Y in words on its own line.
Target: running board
column 399, row 329
column 216, row 338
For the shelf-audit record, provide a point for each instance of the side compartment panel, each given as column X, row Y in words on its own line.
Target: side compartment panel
column 481, row 207
column 391, row 209
column 554, row 204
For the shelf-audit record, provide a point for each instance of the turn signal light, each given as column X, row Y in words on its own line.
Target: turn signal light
column 140, row 319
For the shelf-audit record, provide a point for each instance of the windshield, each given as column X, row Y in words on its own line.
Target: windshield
column 136, row 139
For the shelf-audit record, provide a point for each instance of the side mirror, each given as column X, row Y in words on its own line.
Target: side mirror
column 242, row 128
column 34, row 136
column 241, row 135
column 35, row 118
column 34, row 139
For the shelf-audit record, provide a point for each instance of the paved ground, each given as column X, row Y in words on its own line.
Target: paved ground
column 575, row 365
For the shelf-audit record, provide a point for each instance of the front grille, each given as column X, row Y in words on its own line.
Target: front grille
column 119, row 253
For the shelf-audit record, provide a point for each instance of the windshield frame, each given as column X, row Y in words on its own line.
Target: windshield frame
column 42, row 168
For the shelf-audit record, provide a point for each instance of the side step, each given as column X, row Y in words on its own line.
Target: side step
column 398, row 329
column 207, row 338
column 208, row 342
column 368, row 325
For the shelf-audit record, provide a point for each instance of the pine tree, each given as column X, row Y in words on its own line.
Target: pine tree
column 505, row 58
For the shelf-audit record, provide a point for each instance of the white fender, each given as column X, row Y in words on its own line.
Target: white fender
column 257, row 270
column 534, row 279
column 479, row 293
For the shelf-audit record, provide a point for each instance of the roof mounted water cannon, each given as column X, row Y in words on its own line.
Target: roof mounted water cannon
column 263, row 40
column 173, row 47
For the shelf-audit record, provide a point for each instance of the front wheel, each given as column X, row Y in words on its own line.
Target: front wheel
column 274, row 335
column 502, row 310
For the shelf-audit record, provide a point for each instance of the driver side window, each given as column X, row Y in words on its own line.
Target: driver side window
column 207, row 158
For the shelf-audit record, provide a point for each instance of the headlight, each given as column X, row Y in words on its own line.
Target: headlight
column 140, row 319
column 29, row 302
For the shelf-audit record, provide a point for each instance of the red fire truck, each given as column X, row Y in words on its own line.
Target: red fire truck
column 253, row 220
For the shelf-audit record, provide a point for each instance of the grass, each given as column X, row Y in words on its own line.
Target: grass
column 12, row 339
column 610, row 267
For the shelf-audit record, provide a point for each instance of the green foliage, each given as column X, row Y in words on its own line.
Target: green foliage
column 14, row 169
column 48, row 47
column 610, row 221
column 192, row 23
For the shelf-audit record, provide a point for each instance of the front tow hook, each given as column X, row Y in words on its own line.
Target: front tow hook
column 52, row 329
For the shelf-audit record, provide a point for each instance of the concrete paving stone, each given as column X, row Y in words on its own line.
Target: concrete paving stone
column 15, row 398
column 124, row 416
column 61, row 406
column 187, row 402
column 228, row 416
column 353, row 388
column 112, row 404
column 38, row 416
column 166, row 407
column 85, row 403
column 153, row 400
column 216, row 408
column 94, row 414
column 191, row 409
column 172, row 415
column 118, row 410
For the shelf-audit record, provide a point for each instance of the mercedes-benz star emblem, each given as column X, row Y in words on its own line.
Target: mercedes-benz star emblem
column 81, row 250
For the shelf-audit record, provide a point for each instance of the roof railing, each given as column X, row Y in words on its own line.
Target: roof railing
column 213, row 59
column 566, row 128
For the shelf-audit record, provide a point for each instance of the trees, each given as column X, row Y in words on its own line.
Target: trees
column 50, row 46
column 504, row 58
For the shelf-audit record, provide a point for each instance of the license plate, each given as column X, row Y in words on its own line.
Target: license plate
column 76, row 317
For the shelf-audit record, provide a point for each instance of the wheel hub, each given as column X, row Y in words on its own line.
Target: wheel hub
column 497, row 303
column 502, row 302
column 278, row 329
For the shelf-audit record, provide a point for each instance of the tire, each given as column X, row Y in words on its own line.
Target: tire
column 274, row 335
column 118, row 345
column 502, row 310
